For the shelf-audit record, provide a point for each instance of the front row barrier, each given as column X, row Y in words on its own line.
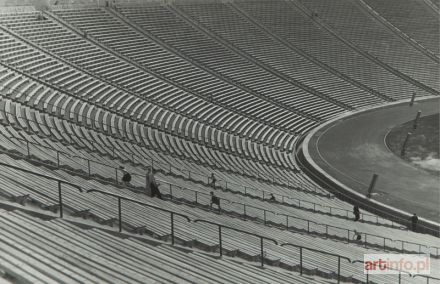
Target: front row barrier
column 220, row 226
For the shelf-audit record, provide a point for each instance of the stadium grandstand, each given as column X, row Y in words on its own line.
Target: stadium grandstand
column 218, row 141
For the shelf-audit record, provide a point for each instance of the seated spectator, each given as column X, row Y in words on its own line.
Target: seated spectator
column 272, row 198
column 215, row 200
column 126, row 177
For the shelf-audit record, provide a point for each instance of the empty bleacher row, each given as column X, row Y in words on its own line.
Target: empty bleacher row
column 96, row 256
column 349, row 20
column 196, row 45
column 191, row 89
column 69, row 132
column 65, row 100
column 131, row 41
column 60, row 127
column 156, row 119
column 132, row 77
column 134, row 216
column 412, row 18
column 275, row 213
column 301, row 30
column 93, row 137
column 228, row 24
column 77, row 83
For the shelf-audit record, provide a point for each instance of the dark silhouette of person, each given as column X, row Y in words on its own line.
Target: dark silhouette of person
column 213, row 180
column 272, row 198
column 126, row 177
column 414, row 220
column 356, row 212
column 153, row 186
column 357, row 236
column 215, row 200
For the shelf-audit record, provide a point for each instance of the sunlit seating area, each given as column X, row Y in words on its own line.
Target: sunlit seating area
column 215, row 97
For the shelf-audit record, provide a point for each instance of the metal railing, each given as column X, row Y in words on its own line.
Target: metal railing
column 319, row 229
column 112, row 130
column 302, row 248
column 120, row 198
column 246, row 191
column 271, row 178
column 220, row 226
column 59, row 182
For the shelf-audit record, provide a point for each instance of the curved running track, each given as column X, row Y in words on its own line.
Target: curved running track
column 350, row 149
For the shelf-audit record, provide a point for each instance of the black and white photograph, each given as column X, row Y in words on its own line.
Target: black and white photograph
column 219, row 141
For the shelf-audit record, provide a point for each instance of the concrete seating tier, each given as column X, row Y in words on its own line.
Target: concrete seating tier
column 234, row 202
column 137, row 216
column 200, row 47
column 137, row 109
column 230, row 25
column 412, row 18
column 60, row 105
column 69, row 130
column 130, row 42
column 124, row 73
column 349, row 20
column 107, row 258
column 302, row 31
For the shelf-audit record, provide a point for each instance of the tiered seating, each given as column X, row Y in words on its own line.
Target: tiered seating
column 63, row 105
column 57, row 251
column 190, row 90
column 129, row 42
column 348, row 19
column 300, row 30
column 199, row 47
column 234, row 202
column 136, row 216
column 225, row 22
column 78, row 50
column 411, row 17
column 67, row 132
column 52, row 126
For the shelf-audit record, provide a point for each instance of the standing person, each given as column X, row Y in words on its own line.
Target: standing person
column 215, row 200
column 213, row 180
column 152, row 186
column 272, row 198
column 414, row 220
column 126, row 177
column 356, row 212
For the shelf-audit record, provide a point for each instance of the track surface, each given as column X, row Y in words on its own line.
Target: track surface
column 352, row 149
